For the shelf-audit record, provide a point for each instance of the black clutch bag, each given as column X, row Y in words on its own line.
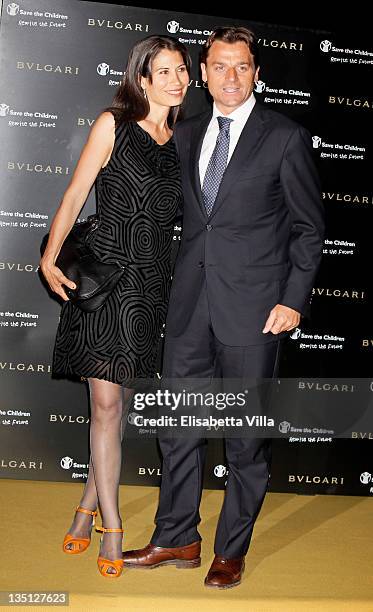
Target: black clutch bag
column 94, row 279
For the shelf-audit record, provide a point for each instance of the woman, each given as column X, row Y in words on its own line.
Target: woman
column 131, row 156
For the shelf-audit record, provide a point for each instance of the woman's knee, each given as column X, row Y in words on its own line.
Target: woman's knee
column 106, row 410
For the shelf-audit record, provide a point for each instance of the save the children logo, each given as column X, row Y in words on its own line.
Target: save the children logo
column 259, row 86
column 12, row 9
column 103, row 69
column 365, row 477
column 173, row 27
column 325, row 46
column 66, row 463
column 220, row 471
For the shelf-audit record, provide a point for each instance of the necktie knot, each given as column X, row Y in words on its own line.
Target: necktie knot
column 224, row 122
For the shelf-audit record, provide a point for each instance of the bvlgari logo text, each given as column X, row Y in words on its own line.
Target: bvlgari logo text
column 367, row 343
column 55, row 68
column 84, row 121
column 118, row 25
column 351, row 102
column 326, row 386
column 316, row 479
column 21, row 464
column 36, row 167
column 146, row 471
column 12, row 266
column 280, row 44
column 349, row 294
column 68, row 419
column 349, row 198
column 362, row 435
column 34, row 368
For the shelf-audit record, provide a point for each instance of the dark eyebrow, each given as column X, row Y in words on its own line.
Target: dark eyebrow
column 167, row 67
column 239, row 63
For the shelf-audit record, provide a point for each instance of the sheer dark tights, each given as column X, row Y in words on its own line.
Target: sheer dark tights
column 109, row 407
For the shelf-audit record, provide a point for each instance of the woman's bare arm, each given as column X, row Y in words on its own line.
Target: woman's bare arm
column 95, row 154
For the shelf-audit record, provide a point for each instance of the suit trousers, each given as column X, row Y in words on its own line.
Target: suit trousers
column 197, row 353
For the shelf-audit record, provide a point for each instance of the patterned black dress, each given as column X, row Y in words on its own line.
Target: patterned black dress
column 138, row 193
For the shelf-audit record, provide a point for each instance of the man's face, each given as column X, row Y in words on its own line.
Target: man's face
column 230, row 74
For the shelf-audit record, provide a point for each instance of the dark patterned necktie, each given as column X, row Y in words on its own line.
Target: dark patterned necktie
column 217, row 164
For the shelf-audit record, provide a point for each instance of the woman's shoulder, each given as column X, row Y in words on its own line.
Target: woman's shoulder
column 106, row 120
column 102, row 133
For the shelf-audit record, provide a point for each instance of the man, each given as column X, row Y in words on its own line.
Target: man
column 251, row 245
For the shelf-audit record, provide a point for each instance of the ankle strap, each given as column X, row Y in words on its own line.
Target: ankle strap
column 104, row 530
column 84, row 511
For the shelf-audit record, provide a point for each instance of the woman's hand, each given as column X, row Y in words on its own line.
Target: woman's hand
column 55, row 278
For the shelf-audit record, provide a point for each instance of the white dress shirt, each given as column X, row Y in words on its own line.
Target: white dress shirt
column 239, row 116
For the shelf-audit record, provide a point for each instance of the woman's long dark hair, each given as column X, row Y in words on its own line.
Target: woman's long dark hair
column 129, row 103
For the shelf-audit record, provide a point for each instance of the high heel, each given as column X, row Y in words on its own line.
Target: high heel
column 105, row 564
column 79, row 545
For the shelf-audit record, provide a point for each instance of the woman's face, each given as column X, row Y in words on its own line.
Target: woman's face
column 170, row 79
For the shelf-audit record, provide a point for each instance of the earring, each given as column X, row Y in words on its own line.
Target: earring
column 145, row 96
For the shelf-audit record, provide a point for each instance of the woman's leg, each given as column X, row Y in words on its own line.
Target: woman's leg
column 106, row 458
column 89, row 498
column 109, row 406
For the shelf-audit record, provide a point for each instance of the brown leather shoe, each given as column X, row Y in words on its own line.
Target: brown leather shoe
column 225, row 573
column 184, row 557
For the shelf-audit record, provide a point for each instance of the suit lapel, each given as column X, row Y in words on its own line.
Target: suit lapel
column 197, row 136
column 250, row 137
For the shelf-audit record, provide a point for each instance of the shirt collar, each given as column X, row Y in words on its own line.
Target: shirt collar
column 240, row 114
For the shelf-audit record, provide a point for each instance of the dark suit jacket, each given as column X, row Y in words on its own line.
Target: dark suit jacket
column 263, row 241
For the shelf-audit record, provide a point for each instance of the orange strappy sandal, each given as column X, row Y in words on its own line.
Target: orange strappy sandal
column 79, row 545
column 104, row 564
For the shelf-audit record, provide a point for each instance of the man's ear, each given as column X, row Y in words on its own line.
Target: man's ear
column 256, row 77
column 203, row 70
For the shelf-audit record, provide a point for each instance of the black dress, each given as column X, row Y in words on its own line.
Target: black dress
column 138, row 194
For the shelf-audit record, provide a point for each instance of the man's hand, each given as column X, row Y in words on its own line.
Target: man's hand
column 281, row 318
